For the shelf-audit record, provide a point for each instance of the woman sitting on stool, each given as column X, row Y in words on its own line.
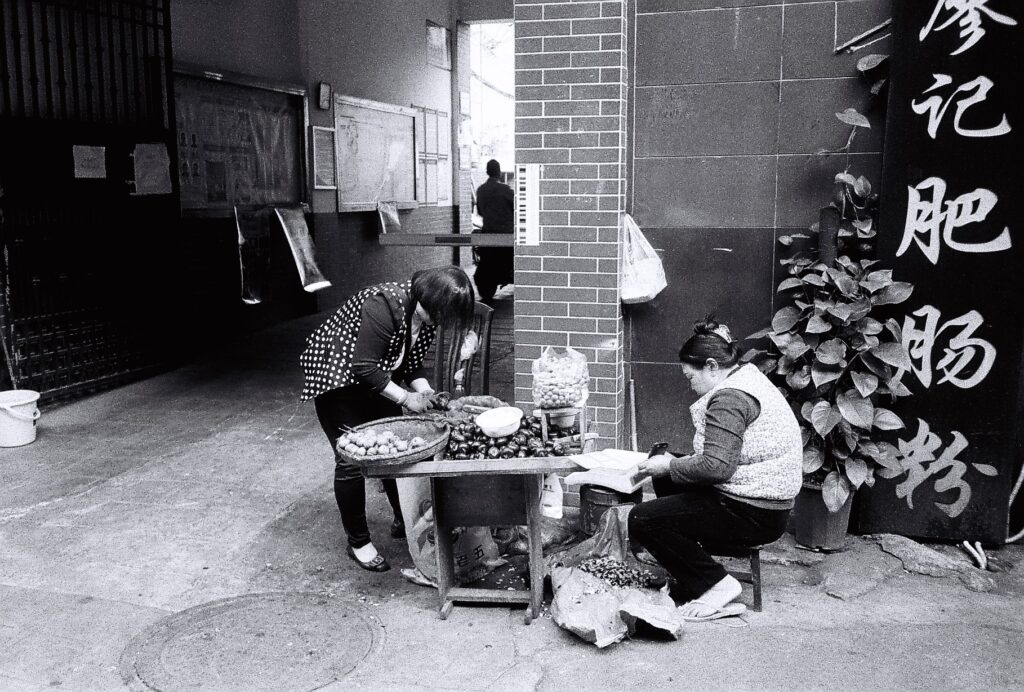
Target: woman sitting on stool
column 737, row 487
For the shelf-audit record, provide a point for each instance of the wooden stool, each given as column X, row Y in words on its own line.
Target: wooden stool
column 753, row 577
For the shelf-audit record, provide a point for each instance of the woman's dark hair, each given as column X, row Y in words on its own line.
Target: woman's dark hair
column 709, row 341
column 446, row 293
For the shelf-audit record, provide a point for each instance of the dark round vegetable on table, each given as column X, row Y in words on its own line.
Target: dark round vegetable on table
column 507, row 453
column 493, row 452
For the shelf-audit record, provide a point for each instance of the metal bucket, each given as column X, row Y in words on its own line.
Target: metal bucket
column 18, row 417
column 595, row 501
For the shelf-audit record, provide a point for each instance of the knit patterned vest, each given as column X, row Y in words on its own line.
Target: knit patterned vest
column 327, row 360
column 771, row 458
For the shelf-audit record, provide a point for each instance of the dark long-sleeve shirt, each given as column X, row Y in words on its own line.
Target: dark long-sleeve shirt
column 375, row 332
column 730, row 412
column 496, row 203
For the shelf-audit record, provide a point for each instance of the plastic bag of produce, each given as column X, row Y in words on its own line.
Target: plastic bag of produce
column 560, row 378
column 602, row 593
column 643, row 275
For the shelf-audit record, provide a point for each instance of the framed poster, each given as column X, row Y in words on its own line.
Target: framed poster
column 438, row 51
column 376, row 145
column 325, row 161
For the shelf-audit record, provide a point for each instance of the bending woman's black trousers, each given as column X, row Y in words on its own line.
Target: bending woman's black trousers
column 351, row 406
column 675, row 527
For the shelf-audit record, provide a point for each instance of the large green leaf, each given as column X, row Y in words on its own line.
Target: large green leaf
column 799, row 378
column 876, row 366
column 888, row 456
column 856, row 409
column 841, row 310
column 851, row 117
column 824, row 417
column 796, row 347
column 856, row 471
column 859, row 309
column 895, row 293
column 865, row 382
column 785, row 319
column 818, row 325
column 875, row 281
column 870, row 62
column 823, row 374
column 814, row 279
column 835, row 490
column 760, row 334
column 845, row 177
column 863, row 186
column 789, row 284
column 894, row 328
column 897, row 387
column 869, row 326
column 887, row 420
column 752, row 354
column 805, row 411
column 813, row 459
column 846, row 285
column 892, row 354
column 831, row 352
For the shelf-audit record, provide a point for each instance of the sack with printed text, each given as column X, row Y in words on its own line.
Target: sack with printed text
column 643, row 275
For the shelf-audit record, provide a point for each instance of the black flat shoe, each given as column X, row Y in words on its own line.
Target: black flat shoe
column 398, row 529
column 377, row 564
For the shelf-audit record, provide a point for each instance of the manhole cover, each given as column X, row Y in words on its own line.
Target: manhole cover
column 274, row 641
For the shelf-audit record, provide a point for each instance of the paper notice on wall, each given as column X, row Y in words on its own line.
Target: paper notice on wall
column 152, row 169
column 90, row 162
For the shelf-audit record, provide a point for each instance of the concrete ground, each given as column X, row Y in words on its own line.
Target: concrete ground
column 181, row 533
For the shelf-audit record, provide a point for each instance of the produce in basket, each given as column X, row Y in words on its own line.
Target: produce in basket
column 370, row 443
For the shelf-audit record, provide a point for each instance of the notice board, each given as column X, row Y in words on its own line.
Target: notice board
column 237, row 144
column 950, row 224
column 376, row 144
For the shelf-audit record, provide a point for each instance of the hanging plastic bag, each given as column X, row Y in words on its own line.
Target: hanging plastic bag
column 643, row 275
column 560, row 378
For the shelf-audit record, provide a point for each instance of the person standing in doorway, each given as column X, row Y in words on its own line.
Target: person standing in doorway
column 495, row 202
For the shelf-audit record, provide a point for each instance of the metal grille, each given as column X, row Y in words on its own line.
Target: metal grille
column 99, row 61
column 85, row 265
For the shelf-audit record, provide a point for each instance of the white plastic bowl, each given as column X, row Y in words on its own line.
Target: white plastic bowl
column 501, row 421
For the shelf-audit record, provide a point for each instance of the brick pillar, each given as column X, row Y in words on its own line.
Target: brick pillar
column 571, row 90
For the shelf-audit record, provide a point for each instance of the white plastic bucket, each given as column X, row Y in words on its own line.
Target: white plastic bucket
column 18, row 416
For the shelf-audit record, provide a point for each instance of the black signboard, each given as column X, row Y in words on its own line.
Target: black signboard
column 951, row 225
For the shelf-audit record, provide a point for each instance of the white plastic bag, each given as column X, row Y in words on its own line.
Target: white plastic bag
column 551, row 497
column 643, row 275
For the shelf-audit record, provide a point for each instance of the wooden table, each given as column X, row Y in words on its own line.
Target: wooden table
column 484, row 492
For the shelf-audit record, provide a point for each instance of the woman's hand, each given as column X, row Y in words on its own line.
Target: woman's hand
column 655, row 467
column 418, row 402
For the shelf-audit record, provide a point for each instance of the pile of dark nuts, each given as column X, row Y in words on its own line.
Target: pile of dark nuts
column 468, row 441
column 617, row 573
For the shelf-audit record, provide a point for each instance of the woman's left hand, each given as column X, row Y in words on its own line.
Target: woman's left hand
column 655, row 467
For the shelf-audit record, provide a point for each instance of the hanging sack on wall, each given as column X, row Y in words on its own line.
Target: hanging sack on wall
column 643, row 275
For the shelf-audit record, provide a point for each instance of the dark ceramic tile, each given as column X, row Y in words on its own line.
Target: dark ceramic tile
column 814, row 30
column 737, row 191
column 707, row 119
column 805, row 183
column 663, row 400
column 727, row 272
column 808, row 115
column 712, row 46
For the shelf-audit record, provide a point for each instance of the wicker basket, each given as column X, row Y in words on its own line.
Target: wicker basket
column 432, row 429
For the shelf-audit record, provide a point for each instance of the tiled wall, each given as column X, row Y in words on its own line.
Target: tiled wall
column 732, row 98
column 571, row 88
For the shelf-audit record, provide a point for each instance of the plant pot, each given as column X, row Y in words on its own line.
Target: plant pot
column 816, row 527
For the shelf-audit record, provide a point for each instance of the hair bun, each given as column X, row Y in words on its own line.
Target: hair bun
column 709, row 326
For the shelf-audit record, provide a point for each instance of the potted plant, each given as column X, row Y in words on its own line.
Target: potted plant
column 833, row 357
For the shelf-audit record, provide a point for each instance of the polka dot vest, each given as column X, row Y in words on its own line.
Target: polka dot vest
column 327, row 359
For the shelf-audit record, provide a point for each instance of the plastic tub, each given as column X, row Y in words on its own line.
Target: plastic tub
column 18, row 417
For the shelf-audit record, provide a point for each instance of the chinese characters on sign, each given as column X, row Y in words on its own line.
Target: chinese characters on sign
column 968, row 13
column 918, row 461
column 956, row 124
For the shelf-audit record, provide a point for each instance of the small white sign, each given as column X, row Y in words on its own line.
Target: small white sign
column 528, row 203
